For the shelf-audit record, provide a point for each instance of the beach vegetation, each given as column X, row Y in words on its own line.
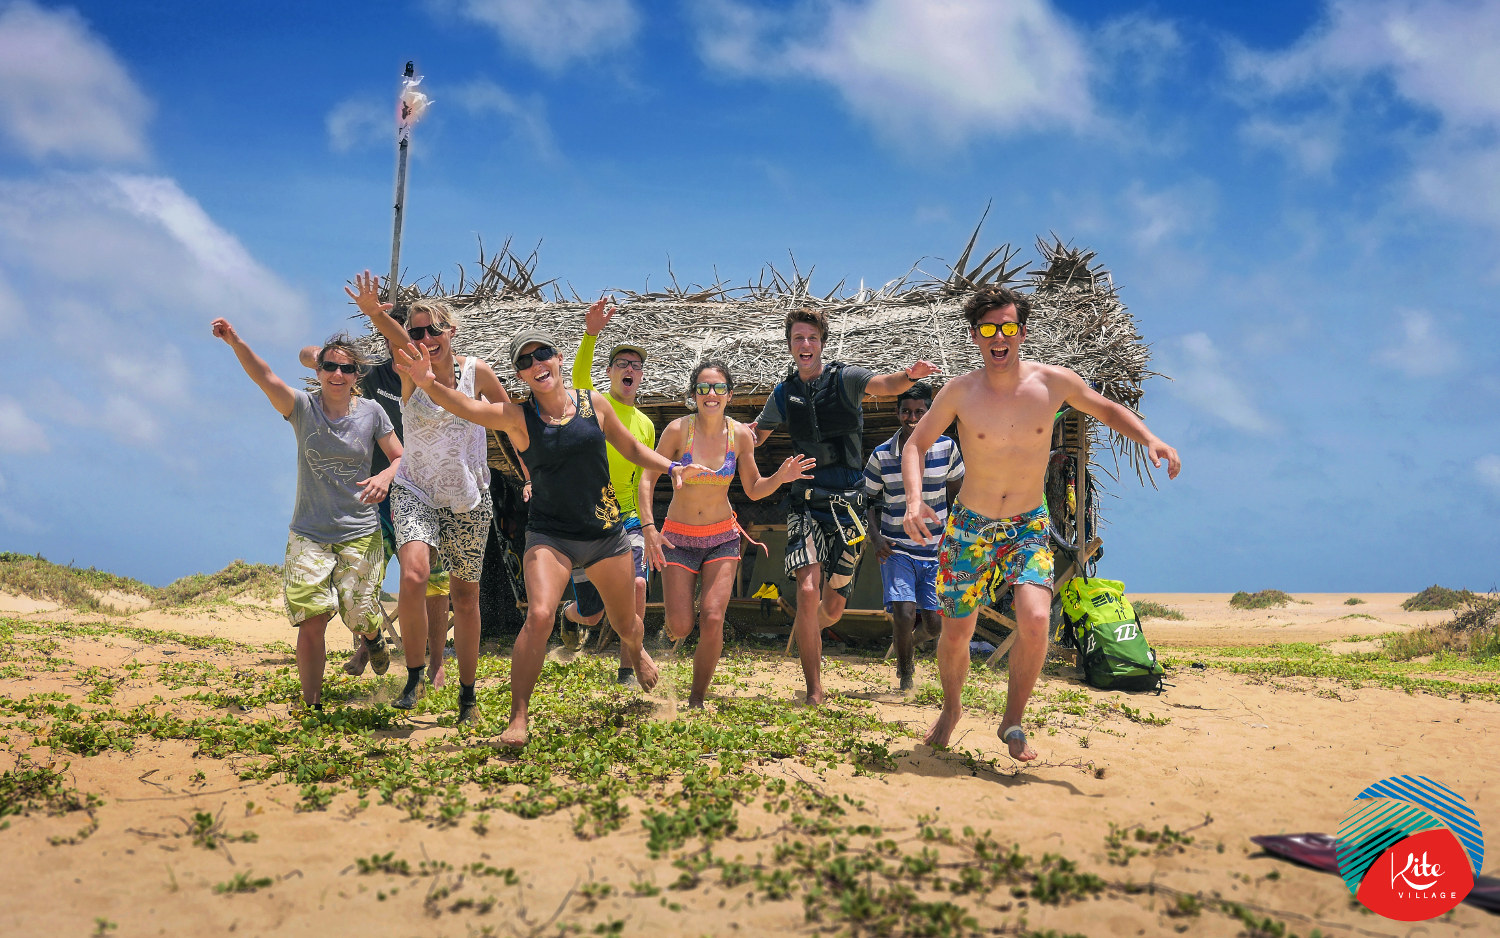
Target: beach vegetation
column 31, row 787
column 1354, row 601
column 1149, row 609
column 85, row 588
column 1436, row 599
column 1264, row 599
column 1473, row 633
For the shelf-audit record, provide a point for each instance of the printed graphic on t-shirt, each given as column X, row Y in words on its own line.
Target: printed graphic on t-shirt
column 340, row 470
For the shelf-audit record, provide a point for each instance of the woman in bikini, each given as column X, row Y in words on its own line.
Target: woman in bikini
column 700, row 538
column 574, row 518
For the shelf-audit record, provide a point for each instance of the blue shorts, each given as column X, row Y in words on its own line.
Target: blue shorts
column 908, row 580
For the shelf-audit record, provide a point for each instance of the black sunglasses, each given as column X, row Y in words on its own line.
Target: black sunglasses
column 419, row 333
column 545, row 353
column 331, row 367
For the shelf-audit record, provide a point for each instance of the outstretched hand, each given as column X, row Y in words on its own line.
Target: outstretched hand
column 922, row 369
column 600, row 313
column 413, row 361
column 796, row 469
column 681, row 473
column 1158, row 451
column 223, row 330
column 919, row 522
column 368, row 297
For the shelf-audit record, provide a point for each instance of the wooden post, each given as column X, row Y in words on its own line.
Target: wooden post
column 403, row 142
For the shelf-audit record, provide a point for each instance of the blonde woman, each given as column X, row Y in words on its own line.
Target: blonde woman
column 441, row 500
column 700, row 538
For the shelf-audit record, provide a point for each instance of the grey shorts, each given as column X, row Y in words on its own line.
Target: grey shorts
column 590, row 603
column 582, row 554
column 458, row 538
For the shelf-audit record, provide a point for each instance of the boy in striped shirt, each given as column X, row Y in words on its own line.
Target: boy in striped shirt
column 908, row 570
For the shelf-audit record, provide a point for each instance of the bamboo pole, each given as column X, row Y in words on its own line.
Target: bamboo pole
column 403, row 144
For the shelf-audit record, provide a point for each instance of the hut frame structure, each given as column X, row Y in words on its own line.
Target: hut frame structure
column 1077, row 321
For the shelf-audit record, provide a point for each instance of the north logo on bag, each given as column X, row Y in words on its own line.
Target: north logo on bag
column 1409, row 848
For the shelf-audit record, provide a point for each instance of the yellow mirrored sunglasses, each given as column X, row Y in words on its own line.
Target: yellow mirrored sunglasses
column 1007, row 329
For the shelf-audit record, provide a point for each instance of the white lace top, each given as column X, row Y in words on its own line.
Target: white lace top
column 443, row 461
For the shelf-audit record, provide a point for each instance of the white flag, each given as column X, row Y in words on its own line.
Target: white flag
column 409, row 107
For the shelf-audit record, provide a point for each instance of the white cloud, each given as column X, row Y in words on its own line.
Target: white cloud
column 1423, row 350
column 125, row 270
column 1138, row 48
column 1157, row 217
column 526, row 116
column 359, row 122
column 18, row 431
column 1437, row 56
column 66, row 94
column 1311, row 145
column 1487, row 468
column 1202, row 378
column 919, row 71
column 555, row 33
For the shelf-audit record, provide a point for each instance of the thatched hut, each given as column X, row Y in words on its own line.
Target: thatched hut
column 1077, row 321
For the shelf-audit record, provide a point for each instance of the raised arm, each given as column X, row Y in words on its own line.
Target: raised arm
column 308, row 357
column 1117, row 417
column 367, row 297
column 276, row 390
column 897, row 381
column 634, row 450
column 412, row 361
column 795, row 468
column 920, row 519
column 594, row 322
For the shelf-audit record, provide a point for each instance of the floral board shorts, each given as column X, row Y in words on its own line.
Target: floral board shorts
column 458, row 537
column 978, row 554
column 328, row 578
column 695, row 545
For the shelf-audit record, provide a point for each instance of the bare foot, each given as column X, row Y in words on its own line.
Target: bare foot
column 435, row 674
column 355, row 666
column 814, row 697
column 695, row 703
column 515, row 735
column 942, row 728
column 645, row 670
column 1015, row 740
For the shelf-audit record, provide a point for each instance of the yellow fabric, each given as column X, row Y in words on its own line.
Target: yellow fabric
column 766, row 591
column 623, row 474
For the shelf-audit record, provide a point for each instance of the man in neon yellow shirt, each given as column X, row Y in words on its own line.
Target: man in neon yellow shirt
column 626, row 370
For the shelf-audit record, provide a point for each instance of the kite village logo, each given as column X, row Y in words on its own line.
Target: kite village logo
column 1409, row 848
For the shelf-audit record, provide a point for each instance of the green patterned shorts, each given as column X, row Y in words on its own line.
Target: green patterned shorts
column 327, row 578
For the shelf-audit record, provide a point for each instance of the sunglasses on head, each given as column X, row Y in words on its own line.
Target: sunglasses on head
column 625, row 364
column 545, row 353
column 988, row 329
column 418, row 333
column 711, row 387
column 331, row 367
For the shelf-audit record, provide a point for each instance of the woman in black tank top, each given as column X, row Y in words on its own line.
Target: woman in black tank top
column 561, row 436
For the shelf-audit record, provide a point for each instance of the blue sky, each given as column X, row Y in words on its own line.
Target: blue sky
column 1300, row 203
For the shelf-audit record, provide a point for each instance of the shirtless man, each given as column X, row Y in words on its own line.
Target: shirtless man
column 998, row 526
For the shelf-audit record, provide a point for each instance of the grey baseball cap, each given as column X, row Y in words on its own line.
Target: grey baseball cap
column 627, row 347
column 526, row 337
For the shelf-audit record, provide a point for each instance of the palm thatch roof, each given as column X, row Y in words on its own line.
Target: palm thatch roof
column 1077, row 320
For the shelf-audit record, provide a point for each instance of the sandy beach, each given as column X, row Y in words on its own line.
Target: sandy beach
column 1227, row 752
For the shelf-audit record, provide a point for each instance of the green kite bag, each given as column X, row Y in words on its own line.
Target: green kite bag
column 1099, row 622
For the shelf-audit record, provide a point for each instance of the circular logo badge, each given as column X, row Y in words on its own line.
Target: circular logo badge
column 1409, row 848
